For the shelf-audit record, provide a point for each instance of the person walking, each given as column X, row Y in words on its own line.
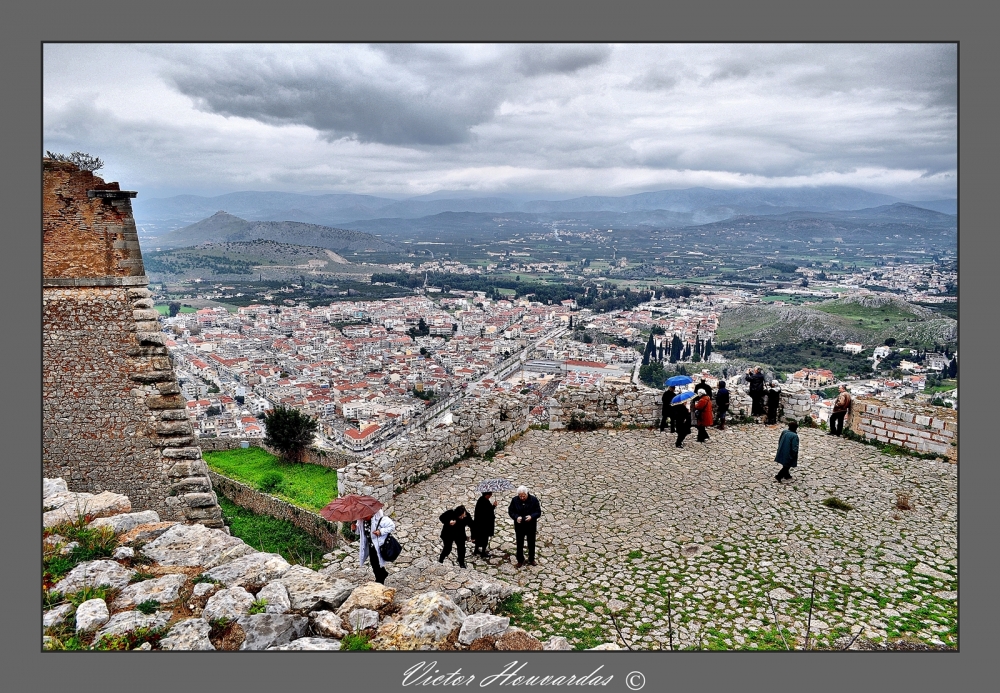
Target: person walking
column 681, row 418
column 453, row 524
column 788, row 451
column 484, row 523
column 665, row 417
column 373, row 533
column 755, row 382
column 722, row 403
column 841, row 407
column 525, row 510
column 773, row 400
column 703, row 416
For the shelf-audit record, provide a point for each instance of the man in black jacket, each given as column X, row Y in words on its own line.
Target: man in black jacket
column 722, row 402
column 755, row 382
column 524, row 510
column 668, row 395
column 453, row 527
column 484, row 524
column 704, row 387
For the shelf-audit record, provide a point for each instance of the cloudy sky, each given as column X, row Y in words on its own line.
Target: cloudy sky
column 552, row 120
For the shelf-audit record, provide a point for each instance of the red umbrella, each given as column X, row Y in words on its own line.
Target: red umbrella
column 350, row 508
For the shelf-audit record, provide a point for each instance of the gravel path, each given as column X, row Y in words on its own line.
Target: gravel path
column 628, row 520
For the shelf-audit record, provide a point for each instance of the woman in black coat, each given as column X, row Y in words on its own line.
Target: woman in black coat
column 484, row 525
column 773, row 401
column 682, row 422
column 453, row 524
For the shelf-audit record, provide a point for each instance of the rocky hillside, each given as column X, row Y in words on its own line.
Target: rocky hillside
column 867, row 319
column 120, row 580
column 226, row 228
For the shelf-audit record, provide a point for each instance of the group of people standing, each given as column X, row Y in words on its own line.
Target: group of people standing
column 680, row 419
column 524, row 510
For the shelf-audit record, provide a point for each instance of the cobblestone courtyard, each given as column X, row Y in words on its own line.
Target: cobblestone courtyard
column 628, row 517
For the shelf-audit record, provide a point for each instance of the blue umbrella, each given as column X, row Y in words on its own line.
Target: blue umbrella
column 682, row 397
column 678, row 380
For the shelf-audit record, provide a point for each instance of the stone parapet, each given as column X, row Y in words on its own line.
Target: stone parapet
column 606, row 406
column 919, row 427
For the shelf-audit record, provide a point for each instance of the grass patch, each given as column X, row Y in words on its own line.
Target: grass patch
column 258, row 606
column 308, row 486
column 94, row 543
column 355, row 641
column 147, row 607
column 271, row 535
column 635, row 553
column 837, row 504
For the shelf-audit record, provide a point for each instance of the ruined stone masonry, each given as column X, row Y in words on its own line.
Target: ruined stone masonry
column 112, row 413
column 921, row 428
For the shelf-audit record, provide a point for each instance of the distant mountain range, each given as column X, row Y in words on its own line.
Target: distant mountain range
column 674, row 207
column 222, row 227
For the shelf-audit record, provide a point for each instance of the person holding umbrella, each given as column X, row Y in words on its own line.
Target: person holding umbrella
column 484, row 524
column 453, row 524
column 681, row 417
column 373, row 532
column 524, row 510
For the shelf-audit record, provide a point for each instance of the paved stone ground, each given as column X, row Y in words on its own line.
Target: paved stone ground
column 628, row 520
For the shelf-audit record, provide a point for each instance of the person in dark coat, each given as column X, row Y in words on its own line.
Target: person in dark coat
column 453, row 524
column 681, row 418
column 665, row 417
column 704, row 387
column 722, row 403
column 773, row 400
column 484, row 523
column 788, row 451
column 755, row 382
column 525, row 510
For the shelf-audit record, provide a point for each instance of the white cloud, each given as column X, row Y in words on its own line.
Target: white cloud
column 556, row 119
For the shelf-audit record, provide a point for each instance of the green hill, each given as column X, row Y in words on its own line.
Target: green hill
column 868, row 319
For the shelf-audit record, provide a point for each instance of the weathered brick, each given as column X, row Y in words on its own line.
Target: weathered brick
column 101, row 340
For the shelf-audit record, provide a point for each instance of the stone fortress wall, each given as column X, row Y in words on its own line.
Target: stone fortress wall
column 918, row 427
column 113, row 418
column 478, row 426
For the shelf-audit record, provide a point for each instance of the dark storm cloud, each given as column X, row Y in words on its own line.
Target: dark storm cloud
column 594, row 119
column 429, row 97
column 548, row 59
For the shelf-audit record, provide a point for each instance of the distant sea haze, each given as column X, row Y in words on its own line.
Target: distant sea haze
column 692, row 205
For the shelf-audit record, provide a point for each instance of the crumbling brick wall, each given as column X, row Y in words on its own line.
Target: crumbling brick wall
column 112, row 414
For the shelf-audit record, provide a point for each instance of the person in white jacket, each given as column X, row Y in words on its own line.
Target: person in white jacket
column 374, row 531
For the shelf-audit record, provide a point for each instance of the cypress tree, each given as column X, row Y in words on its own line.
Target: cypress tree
column 675, row 349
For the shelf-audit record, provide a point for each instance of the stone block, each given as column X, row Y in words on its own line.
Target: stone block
column 166, row 402
column 188, row 453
